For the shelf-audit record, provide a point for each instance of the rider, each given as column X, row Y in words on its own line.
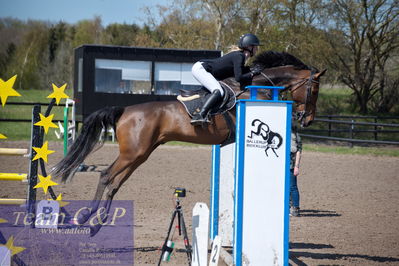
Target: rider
column 209, row 71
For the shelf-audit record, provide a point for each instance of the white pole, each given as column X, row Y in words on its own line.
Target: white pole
column 200, row 234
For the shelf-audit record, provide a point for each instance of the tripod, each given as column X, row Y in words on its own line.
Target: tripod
column 181, row 226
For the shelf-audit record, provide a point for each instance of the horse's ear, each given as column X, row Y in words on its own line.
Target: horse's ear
column 321, row 73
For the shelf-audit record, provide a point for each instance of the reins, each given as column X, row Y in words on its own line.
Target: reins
column 245, row 90
column 241, row 92
column 295, row 86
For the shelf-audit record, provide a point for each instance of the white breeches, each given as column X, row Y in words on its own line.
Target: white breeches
column 206, row 78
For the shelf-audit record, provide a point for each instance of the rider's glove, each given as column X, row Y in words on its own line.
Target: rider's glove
column 256, row 70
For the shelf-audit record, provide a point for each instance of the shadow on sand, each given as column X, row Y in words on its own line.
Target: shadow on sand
column 296, row 257
column 319, row 213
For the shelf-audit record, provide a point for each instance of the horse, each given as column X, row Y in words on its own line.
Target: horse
column 141, row 128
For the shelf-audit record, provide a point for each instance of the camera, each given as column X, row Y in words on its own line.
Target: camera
column 180, row 192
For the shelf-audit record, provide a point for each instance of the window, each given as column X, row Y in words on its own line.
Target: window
column 121, row 76
column 171, row 77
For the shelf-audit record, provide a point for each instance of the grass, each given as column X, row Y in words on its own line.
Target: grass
column 374, row 151
column 334, row 100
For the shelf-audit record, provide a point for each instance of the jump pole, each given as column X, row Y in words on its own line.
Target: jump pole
column 11, row 151
column 12, row 201
column 13, row 177
column 253, row 217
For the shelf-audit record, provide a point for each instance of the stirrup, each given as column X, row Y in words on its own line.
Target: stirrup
column 198, row 120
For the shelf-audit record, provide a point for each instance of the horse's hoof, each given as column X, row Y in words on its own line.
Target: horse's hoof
column 84, row 215
column 94, row 229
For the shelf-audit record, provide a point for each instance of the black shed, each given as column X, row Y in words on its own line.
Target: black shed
column 122, row 76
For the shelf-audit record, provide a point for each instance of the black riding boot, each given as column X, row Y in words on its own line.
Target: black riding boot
column 202, row 116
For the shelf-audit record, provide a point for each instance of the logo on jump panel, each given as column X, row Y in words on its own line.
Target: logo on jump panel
column 267, row 138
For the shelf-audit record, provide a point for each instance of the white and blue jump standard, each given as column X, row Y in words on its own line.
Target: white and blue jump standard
column 250, row 183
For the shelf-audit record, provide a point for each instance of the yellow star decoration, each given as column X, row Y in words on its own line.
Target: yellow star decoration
column 45, row 182
column 58, row 93
column 2, row 136
column 3, row 221
column 46, row 122
column 10, row 246
column 42, row 152
column 6, row 89
column 60, row 202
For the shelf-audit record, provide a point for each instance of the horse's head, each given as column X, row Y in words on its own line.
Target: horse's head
column 303, row 85
column 304, row 92
column 302, row 81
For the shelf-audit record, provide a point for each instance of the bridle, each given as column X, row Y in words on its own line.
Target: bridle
column 309, row 82
column 300, row 115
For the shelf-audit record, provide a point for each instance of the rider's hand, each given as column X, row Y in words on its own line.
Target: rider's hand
column 256, row 70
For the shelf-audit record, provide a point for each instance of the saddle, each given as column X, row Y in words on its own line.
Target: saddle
column 193, row 100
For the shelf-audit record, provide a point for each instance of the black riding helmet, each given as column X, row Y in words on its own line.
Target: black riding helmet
column 247, row 40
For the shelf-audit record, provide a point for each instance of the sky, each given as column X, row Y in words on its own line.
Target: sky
column 71, row 11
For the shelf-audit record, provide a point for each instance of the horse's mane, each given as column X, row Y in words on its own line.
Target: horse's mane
column 269, row 59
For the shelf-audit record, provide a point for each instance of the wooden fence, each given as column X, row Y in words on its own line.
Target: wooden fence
column 355, row 129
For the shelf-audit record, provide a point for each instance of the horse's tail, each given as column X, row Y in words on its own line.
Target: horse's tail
column 87, row 140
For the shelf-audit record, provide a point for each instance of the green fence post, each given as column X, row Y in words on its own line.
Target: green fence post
column 65, row 131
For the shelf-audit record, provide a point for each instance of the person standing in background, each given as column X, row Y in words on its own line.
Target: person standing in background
column 296, row 150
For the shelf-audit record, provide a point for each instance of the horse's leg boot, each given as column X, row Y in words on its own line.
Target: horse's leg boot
column 202, row 116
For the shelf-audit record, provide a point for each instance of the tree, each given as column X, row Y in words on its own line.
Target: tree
column 364, row 35
column 11, row 32
column 87, row 32
column 120, row 34
column 30, row 56
column 181, row 25
column 221, row 14
column 294, row 28
column 57, row 35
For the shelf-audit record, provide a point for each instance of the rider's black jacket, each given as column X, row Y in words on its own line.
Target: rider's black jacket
column 229, row 65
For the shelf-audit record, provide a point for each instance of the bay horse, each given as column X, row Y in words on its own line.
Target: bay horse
column 141, row 128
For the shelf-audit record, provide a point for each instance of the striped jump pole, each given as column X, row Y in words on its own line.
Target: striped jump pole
column 250, row 183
